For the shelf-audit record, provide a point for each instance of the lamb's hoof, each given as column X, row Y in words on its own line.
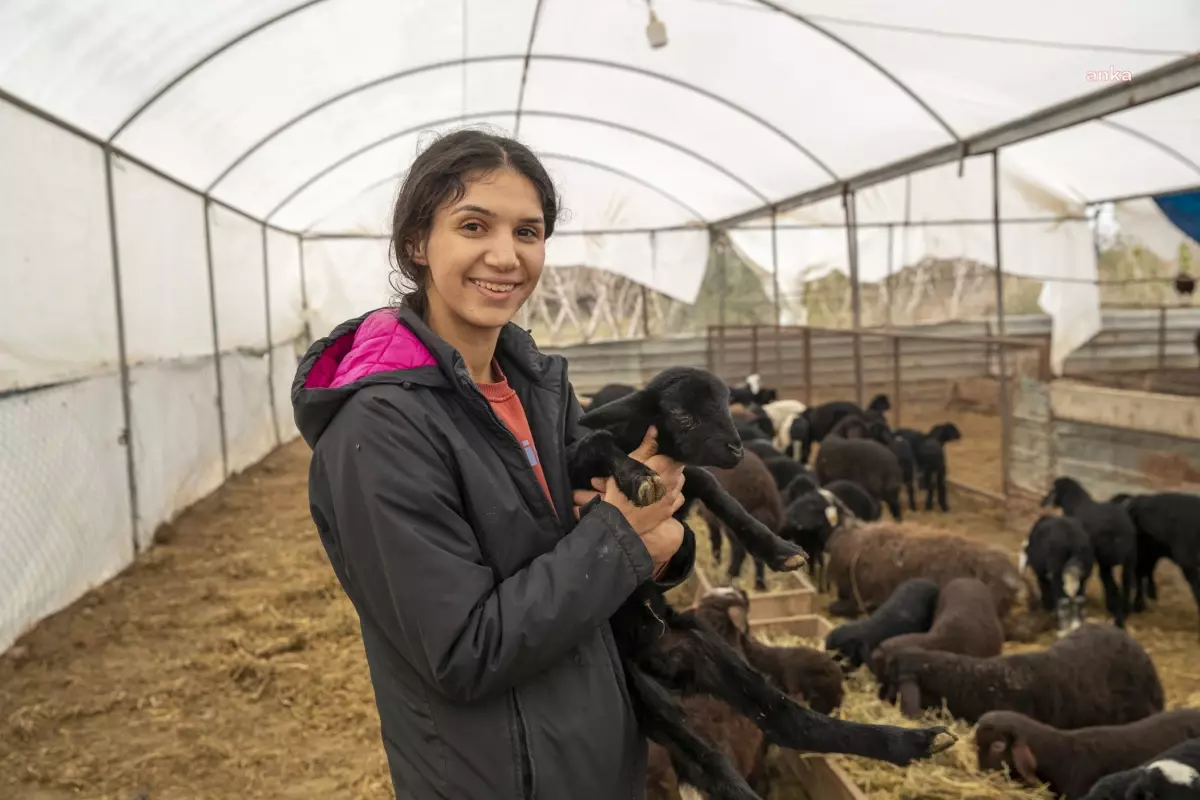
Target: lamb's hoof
column 917, row 743
column 651, row 490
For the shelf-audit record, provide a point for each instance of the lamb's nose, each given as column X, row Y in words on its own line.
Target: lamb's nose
column 736, row 449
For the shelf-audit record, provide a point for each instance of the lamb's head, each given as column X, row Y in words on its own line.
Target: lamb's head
column 725, row 609
column 946, row 432
column 1065, row 493
column 690, row 409
column 814, row 513
column 879, row 403
column 1000, row 742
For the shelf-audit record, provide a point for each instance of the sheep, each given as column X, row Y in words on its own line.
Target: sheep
column 1173, row 774
column 801, row 672
column 1113, row 537
column 819, row 420
column 801, row 484
column 610, row 392
column 908, row 466
column 857, row 499
column 929, row 454
column 867, row 463
column 752, row 392
column 750, row 426
column 909, row 609
column 1059, row 553
column 808, row 520
column 752, row 486
column 1071, row 761
column 1096, row 675
column 665, row 654
column 867, row 561
column 964, row 622
column 800, row 436
column 1168, row 526
column 782, row 413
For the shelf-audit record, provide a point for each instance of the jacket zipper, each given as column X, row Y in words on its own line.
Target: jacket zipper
column 526, row 759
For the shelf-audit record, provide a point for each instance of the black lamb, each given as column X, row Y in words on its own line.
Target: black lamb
column 1168, row 526
column 819, row 420
column 1173, row 774
column 909, row 609
column 1113, row 537
column 857, row 499
column 1097, row 675
column 666, row 655
column 1059, row 553
column 809, row 519
column 929, row 452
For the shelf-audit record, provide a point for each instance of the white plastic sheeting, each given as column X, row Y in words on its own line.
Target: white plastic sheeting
column 64, row 498
column 56, row 289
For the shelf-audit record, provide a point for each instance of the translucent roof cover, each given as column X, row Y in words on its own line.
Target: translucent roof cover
column 305, row 113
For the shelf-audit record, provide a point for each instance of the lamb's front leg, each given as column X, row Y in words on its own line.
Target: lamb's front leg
column 596, row 455
column 760, row 541
column 707, row 665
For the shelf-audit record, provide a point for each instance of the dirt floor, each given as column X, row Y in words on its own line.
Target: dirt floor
column 227, row 662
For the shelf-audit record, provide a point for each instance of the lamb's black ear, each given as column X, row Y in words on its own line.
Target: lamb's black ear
column 910, row 698
column 614, row 413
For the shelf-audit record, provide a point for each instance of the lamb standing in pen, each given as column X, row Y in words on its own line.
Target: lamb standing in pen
column 1097, row 675
column 1168, row 526
column 819, row 420
column 908, row 610
column 1071, row 761
column 808, row 520
column 782, row 414
column 1173, row 774
column 867, row 561
column 666, row 654
column 929, row 452
column 965, row 622
column 1059, row 553
column 1113, row 538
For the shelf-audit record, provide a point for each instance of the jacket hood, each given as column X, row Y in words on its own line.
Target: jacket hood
column 390, row 345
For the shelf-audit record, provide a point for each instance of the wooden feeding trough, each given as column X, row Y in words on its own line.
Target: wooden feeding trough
column 791, row 612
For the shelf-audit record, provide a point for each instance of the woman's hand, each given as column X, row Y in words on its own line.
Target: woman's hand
column 646, row 452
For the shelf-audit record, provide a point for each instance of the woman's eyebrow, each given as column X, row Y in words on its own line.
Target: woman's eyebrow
column 481, row 210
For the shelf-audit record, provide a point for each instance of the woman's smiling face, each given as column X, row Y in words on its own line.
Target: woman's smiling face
column 485, row 251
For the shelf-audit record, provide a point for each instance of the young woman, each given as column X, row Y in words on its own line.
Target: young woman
column 439, row 488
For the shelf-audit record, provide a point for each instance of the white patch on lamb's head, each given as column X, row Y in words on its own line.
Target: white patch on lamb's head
column 754, row 382
column 1176, row 772
column 831, row 510
column 1023, row 556
column 1071, row 580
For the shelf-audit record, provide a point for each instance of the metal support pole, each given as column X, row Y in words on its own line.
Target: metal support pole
column 1162, row 337
column 270, row 343
column 1005, row 412
column 722, row 257
column 308, row 337
column 808, row 370
column 890, row 263
column 898, row 398
column 645, row 313
column 122, row 352
column 212, row 307
column 775, row 267
column 855, row 296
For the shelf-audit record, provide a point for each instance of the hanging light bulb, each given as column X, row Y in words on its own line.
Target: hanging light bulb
column 656, row 31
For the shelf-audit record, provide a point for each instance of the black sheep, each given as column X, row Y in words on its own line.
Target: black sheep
column 666, row 655
column 610, row 392
column 857, row 499
column 819, row 420
column 1173, row 774
column 1097, row 675
column 1168, row 526
column 1113, row 537
column 908, row 466
column 801, row 484
column 809, row 519
column 929, row 453
column 909, row 609
column 1059, row 552
column 799, row 432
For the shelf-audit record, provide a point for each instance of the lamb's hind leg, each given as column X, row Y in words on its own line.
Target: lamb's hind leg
column 707, row 665
column 695, row 761
column 760, row 541
column 596, row 455
column 1112, row 595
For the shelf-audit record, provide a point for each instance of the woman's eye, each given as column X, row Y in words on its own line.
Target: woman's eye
column 473, row 227
column 531, row 232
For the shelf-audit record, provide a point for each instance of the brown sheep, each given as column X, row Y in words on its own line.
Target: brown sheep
column 867, row 561
column 866, row 462
column 965, row 622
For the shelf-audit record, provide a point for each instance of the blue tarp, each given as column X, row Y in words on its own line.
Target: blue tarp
column 1184, row 212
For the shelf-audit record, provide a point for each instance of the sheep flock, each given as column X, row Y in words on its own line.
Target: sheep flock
column 935, row 626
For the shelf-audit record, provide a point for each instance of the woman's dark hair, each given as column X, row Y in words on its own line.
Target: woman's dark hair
column 436, row 177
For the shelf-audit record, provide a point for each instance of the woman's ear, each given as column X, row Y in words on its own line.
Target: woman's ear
column 416, row 252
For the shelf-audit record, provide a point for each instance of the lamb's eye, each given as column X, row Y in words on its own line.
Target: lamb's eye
column 683, row 420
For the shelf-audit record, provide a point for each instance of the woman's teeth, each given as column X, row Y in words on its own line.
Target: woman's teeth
column 503, row 288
